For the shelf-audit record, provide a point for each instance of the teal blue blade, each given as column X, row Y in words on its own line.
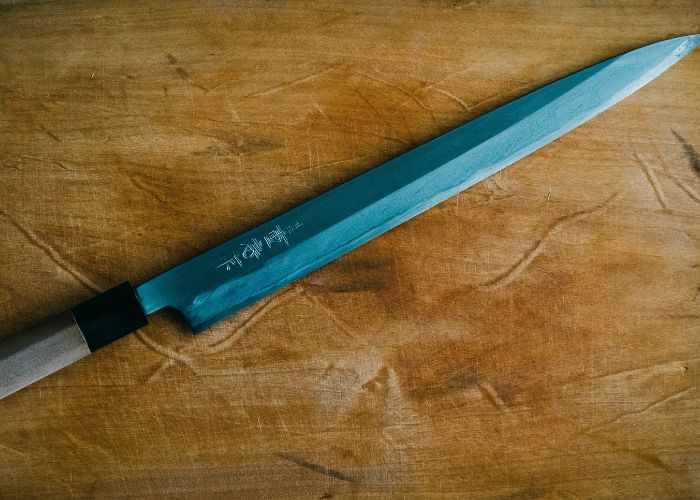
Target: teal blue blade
column 234, row 274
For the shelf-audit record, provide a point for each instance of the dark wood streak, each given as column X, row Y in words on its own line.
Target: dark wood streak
column 50, row 134
column 247, row 147
column 326, row 471
column 690, row 153
column 183, row 73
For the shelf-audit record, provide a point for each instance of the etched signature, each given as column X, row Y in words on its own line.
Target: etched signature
column 256, row 247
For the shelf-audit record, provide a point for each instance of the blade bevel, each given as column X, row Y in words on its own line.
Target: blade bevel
column 244, row 269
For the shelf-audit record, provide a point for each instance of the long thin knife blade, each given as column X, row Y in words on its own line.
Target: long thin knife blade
column 221, row 281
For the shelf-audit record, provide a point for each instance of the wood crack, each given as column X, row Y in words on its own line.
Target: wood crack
column 52, row 253
column 515, row 270
column 653, row 182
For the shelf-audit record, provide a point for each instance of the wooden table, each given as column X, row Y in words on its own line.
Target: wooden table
column 535, row 336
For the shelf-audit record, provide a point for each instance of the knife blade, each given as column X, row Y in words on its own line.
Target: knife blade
column 221, row 281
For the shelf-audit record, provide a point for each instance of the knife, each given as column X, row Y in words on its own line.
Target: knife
column 219, row 282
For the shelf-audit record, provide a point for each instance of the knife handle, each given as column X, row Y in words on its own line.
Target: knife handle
column 34, row 354
column 68, row 337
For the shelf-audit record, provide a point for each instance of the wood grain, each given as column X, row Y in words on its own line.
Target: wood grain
column 535, row 336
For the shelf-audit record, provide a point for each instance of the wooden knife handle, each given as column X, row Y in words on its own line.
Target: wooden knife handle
column 46, row 348
column 68, row 337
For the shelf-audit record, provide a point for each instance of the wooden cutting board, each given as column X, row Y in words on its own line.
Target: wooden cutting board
column 535, row 336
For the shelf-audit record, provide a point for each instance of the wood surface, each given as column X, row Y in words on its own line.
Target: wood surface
column 535, row 336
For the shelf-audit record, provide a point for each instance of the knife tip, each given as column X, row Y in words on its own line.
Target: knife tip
column 685, row 44
column 693, row 41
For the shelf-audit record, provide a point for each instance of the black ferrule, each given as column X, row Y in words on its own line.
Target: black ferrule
column 109, row 316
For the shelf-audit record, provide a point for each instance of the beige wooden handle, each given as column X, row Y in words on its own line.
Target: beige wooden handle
column 46, row 348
